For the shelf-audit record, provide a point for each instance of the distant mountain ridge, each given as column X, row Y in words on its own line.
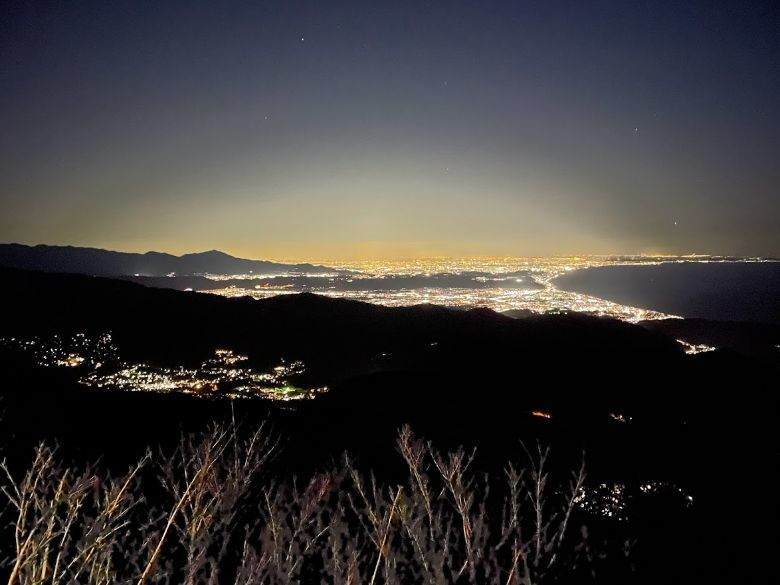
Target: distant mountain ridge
column 99, row 262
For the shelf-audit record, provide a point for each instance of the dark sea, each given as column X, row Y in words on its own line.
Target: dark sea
column 727, row 291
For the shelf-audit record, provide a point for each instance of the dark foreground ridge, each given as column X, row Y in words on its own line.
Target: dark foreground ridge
column 100, row 262
column 458, row 377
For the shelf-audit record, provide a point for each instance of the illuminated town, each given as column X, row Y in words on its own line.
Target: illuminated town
column 693, row 349
column 539, row 296
column 225, row 375
column 77, row 350
column 612, row 500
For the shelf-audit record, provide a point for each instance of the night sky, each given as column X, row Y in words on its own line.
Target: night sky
column 355, row 129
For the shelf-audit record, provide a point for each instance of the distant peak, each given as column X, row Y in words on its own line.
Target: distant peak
column 210, row 253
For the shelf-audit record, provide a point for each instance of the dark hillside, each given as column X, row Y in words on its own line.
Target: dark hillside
column 336, row 337
column 459, row 377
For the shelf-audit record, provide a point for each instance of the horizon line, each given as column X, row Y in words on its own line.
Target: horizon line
column 400, row 257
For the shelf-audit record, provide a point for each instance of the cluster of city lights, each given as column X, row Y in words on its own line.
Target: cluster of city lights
column 607, row 500
column 544, row 300
column 693, row 349
column 265, row 276
column 540, row 296
column 613, row 499
column 226, row 374
column 620, row 417
column 76, row 350
column 223, row 375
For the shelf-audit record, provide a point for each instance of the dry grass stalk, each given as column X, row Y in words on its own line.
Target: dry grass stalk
column 211, row 520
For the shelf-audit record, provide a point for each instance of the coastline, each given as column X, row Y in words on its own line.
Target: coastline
column 725, row 291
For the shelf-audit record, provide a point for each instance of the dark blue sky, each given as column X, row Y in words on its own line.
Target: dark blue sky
column 308, row 130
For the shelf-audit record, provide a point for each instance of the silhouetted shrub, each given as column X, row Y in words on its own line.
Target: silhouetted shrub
column 206, row 513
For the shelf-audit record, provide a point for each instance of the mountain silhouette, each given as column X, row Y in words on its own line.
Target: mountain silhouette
column 98, row 262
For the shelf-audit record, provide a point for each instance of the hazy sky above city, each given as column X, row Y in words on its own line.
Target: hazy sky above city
column 322, row 129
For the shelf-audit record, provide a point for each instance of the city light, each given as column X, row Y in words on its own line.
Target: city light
column 540, row 296
column 225, row 375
